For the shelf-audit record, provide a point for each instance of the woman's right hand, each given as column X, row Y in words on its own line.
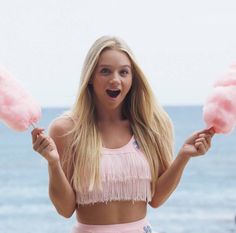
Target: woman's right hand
column 45, row 146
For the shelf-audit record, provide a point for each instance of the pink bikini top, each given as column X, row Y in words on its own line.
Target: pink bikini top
column 125, row 175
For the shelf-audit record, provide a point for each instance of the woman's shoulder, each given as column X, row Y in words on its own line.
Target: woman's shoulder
column 58, row 130
column 60, row 127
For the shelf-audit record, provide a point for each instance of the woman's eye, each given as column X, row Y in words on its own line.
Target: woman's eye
column 124, row 72
column 105, row 71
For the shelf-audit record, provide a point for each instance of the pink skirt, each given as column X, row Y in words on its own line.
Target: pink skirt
column 140, row 226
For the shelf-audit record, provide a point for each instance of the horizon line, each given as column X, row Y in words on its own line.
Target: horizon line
column 163, row 105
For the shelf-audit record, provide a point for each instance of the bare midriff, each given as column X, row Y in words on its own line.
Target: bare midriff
column 114, row 212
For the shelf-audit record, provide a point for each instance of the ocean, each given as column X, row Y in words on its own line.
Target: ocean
column 204, row 201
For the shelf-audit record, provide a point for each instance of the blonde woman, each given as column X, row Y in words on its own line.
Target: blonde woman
column 111, row 155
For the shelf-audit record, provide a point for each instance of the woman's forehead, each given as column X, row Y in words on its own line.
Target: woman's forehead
column 113, row 57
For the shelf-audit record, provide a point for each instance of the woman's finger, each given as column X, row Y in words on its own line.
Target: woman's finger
column 200, row 148
column 39, row 141
column 202, row 138
column 35, row 132
column 43, row 144
column 208, row 139
column 209, row 131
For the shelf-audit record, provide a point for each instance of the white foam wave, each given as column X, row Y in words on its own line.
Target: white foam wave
column 25, row 209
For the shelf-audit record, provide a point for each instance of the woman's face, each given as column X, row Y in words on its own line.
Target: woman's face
column 112, row 78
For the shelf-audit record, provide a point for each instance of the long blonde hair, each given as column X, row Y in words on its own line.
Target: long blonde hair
column 150, row 123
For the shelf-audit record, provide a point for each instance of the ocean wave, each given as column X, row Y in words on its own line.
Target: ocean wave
column 39, row 209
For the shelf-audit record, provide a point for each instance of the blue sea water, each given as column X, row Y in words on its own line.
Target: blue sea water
column 204, row 201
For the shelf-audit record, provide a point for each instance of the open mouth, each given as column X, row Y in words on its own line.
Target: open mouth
column 113, row 93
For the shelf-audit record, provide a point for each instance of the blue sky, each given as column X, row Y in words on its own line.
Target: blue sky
column 182, row 46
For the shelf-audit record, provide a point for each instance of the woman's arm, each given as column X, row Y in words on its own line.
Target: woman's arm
column 51, row 148
column 195, row 145
column 169, row 180
column 60, row 191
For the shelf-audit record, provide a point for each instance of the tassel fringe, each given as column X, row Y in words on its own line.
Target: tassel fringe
column 125, row 176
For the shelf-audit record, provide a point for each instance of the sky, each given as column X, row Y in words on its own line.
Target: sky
column 182, row 46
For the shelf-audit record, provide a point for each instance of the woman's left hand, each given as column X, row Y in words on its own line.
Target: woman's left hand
column 198, row 144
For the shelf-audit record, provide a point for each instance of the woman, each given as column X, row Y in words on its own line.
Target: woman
column 111, row 154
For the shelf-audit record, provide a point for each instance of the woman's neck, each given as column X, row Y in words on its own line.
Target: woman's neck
column 109, row 115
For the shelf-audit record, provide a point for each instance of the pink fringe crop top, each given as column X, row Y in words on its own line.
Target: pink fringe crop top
column 125, row 175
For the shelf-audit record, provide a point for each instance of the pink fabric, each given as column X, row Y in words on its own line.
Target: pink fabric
column 219, row 110
column 140, row 226
column 18, row 109
column 125, row 175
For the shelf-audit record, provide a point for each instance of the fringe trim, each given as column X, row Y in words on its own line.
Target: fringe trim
column 136, row 190
column 124, row 166
column 125, row 176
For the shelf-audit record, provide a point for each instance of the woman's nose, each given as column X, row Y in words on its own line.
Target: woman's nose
column 115, row 78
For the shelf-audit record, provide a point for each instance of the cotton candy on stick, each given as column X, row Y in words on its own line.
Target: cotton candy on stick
column 18, row 109
column 219, row 110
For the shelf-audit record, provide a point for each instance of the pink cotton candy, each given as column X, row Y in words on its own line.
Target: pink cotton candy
column 18, row 109
column 219, row 110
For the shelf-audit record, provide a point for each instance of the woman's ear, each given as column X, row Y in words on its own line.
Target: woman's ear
column 90, row 83
column 91, row 80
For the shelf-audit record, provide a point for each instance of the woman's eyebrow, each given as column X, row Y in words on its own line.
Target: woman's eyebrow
column 104, row 65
